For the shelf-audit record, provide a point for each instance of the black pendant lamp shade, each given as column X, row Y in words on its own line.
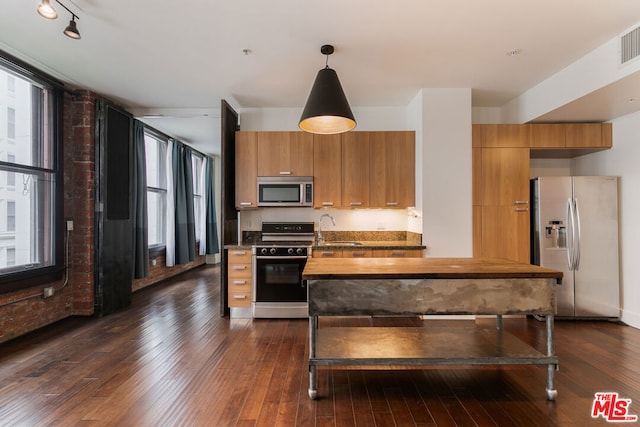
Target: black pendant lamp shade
column 327, row 110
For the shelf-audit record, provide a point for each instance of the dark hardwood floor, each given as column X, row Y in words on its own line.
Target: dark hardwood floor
column 170, row 359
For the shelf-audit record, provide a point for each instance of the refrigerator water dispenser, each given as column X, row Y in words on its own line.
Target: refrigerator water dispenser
column 555, row 235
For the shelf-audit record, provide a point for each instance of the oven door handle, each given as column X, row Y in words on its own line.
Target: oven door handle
column 282, row 257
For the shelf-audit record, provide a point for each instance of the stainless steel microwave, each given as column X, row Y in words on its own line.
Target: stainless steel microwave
column 285, row 191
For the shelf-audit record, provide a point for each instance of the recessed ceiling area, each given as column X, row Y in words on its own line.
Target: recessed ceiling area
column 172, row 65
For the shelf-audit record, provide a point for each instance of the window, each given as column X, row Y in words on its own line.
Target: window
column 11, row 176
column 156, row 157
column 11, row 123
column 196, row 175
column 31, row 236
column 11, row 216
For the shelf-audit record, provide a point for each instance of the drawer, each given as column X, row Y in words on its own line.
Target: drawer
column 240, row 284
column 397, row 253
column 239, row 256
column 239, row 299
column 239, row 270
column 328, row 253
column 357, row 253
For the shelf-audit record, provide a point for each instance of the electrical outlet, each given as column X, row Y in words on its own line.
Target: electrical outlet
column 69, row 225
column 47, row 292
column 154, row 262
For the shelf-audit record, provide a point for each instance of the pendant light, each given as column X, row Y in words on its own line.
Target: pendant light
column 327, row 110
column 72, row 29
column 47, row 11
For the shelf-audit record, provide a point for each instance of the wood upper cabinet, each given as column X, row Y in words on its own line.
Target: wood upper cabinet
column 504, row 135
column 588, row 135
column 355, row 169
column 246, row 169
column 285, row 154
column 327, row 167
column 545, row 135
column 392, row 169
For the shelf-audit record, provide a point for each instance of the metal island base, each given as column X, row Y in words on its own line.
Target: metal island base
column 415, row 286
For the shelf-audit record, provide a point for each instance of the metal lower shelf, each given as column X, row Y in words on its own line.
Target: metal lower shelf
column 389, row 346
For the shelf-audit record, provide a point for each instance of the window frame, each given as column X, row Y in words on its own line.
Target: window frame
column 26, row 278
column 161, row 139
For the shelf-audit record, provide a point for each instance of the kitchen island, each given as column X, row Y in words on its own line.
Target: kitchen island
column 417, row 286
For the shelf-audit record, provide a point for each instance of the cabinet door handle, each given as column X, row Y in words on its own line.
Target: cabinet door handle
column 239, row 252
column 245, row 203
column 239, row 282
column 521, row 209
column 356, row 203
column 285, row 172
column 521, row 202
column 397, row 253
column 357, row 254
column 239, row 267
column 328, row 253
column 327, row 203
column 239, row 297
column 392, row 203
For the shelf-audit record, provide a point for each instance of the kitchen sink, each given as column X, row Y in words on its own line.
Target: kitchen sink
column 341, row 244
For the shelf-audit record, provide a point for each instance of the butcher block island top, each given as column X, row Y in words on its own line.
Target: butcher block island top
column 423, row 268
column 416, row 286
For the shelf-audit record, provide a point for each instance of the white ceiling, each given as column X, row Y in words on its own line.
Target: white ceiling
column 175, row 61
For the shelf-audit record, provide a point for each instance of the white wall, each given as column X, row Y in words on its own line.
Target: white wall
column 622, row 160
column 446, row 171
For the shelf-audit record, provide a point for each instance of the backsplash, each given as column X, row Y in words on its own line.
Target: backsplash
column 250, row 236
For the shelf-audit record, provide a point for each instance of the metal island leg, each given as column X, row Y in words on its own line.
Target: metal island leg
column 313, row 374
column 552, row 393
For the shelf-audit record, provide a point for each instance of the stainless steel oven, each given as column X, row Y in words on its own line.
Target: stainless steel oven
column 278, row 288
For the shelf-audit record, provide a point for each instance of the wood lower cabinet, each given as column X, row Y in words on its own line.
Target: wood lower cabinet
column 357, row 253
column 246, row 169
column 328, row 253
column 240, row 274
column 397, row 253
column 505, row 232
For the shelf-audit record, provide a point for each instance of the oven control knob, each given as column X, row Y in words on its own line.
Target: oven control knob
column 272, row 251
column 263, row 251
column 299, row 251
column 290, row 251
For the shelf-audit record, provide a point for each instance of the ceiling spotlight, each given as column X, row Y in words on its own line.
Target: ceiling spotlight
column 46, row 10
column 72, row 29
column 514, row 52
column 327, row 110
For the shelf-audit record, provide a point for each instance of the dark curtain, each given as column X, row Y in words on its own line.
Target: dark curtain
column 210, row 209
column 185, row 245
column 139, row 200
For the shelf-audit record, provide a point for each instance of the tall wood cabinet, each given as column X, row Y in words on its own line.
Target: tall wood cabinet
column 355, row 169
column 246, row 169
column 501, row 191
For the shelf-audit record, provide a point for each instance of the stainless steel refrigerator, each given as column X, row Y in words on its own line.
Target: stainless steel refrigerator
column 574, row 228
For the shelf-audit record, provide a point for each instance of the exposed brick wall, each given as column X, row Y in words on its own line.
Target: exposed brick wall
column 77, row 296
column 160, row 271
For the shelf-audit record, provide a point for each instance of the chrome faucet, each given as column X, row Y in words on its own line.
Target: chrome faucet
column 320, row 238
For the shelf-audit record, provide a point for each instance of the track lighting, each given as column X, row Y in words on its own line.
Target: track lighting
column 47, row 11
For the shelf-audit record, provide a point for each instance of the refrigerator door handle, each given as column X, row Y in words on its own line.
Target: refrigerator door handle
column 576, row 212
column 570, row 234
